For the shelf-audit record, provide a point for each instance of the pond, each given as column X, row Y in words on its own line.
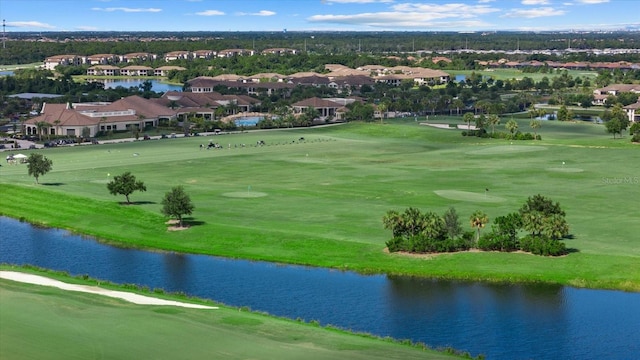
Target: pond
column 157, row 85
column 500, row 321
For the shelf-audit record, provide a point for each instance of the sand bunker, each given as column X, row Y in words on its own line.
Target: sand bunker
column 127, row 296
column 469, row 196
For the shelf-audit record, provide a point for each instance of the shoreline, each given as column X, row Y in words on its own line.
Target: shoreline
column 576, row 283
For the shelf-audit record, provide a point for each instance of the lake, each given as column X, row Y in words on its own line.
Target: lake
column 514, row 321
column 157, row 85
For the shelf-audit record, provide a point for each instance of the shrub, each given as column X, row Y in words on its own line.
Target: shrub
column 540, row 245
column 397, row 243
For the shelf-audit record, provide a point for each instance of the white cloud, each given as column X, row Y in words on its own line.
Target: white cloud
column 485, row 1
column 535, row 2
column 589, row 2
column 210, row 13
column 127, row 10
column 29, row 24
column 413, row 16
column 533, row 13
column 259, row 13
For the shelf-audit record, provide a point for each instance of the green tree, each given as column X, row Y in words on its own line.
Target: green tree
column 493, row 121
column 38, row 165
column 176, row 203
column 616, row 121
column 125, row 184
column 542, row 217
column 535, row 125
column 468, row 118
column 452, row 223
column 512, row 126
column 565, row 114
column 478, row 220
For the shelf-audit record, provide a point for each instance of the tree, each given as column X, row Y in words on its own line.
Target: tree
column 452, row 223
column 512, row 126
column 616, row 120
column 468, row 118
column 177, row 203
column 493, row 121
column 542, row 217
column 478, row 220
column 38, row 165
column 125, row 184
column 535, row 125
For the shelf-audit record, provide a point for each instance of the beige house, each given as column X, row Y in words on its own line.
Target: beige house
column 633, row 112
column 87, row 119
column 51, row 62
column 600, row 95
column 103, row 70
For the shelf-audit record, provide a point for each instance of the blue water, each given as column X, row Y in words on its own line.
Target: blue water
column 248, row 120
column 500, row 321
column 6, row 73
column 157, row 86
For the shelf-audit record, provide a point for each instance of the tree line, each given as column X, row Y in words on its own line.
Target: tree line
column 537, row 227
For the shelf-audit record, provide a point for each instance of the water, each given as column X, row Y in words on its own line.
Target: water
column 157, row 86
column 248, row 121
column 6, row 73
column 500, row 321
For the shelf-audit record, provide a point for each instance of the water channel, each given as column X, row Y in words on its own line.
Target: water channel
column 499, row 321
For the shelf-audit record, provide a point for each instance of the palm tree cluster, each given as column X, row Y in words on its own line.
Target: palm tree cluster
column 540, row 219
column 418, row 232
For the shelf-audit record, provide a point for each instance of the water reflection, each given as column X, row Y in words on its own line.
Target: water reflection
column 500, row 321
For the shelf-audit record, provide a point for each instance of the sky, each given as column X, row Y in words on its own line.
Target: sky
column 319, row 15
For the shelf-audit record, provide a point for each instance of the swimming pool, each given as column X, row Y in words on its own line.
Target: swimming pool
column 248, row 120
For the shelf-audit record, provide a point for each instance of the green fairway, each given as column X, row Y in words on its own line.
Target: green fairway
column 320, row 201
column 39, row 322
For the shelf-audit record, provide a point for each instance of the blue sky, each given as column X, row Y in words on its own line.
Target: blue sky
column 319, row 15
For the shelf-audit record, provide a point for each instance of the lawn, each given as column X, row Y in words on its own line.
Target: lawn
column 508, row 74
column 41, row 322
column 320, row 201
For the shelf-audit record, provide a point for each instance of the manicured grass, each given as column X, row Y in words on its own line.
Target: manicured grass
column 508, row 74
column 320, row 202
column 41, row 322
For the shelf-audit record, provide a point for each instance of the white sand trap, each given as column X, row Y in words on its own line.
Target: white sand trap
column 565, row 169
column 439, row 126
column 127, row 296
column 506, row 149
column 468, row 196
column 245, row 194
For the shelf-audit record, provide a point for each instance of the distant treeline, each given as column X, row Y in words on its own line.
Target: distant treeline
column 23, row 48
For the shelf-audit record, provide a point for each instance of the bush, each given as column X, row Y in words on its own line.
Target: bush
column 540, row 245
column 636, row 138
column 396, row 244
column 497, row 242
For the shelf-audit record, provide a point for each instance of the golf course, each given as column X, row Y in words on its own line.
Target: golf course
column 316, row 196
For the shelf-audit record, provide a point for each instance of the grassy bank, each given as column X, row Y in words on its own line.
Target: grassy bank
column 320, row 201
column 41, row 322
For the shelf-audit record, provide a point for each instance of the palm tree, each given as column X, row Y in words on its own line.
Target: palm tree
column 468, row 118
column 535, row 124
column 394, row 221
column 458, row 104
column 493, row 121
column 478, row 220
column 512, row 126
